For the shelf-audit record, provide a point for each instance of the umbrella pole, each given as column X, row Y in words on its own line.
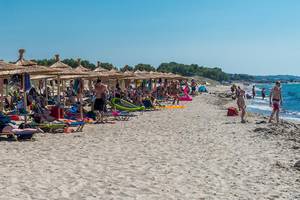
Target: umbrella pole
column 6, row 90
column 25, row 98
column 63, row 92
column 46, row 91
column 81, row 88
column 58, row 96
column 81, row 107
column 2, row 93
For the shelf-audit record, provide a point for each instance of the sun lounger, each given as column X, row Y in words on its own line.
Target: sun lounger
column 20, row 134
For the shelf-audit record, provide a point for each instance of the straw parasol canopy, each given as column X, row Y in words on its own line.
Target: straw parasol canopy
column 85, row 72
column 22, row 62
column 142, row 75
column 4, row 66
column 7, row 69
column 64, row 69
column 81, row 68
column 110, row 74
column 114, row 74
column 60, row 65
column 100, row 69
column 31, row 67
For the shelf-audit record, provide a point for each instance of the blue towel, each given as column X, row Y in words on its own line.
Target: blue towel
column 27, row 82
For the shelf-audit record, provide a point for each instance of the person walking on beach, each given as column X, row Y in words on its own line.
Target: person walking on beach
column 263, row 93
column 253, row 92
column 240, row 95
column 275, row 101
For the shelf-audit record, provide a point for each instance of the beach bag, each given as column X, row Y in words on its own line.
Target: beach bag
column 24, row 136
column 232, row 111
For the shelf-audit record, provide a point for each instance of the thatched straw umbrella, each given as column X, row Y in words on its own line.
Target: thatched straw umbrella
column 31, row 68
column 99, row 68
column 7, row 69
column 66, row 73
column 22, row 62
column 81, row 68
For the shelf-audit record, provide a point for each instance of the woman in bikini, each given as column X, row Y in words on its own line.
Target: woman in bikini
column 240, row 95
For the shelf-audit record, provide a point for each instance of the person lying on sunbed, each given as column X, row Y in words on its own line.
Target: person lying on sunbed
column 41, row 113
column 7, row 128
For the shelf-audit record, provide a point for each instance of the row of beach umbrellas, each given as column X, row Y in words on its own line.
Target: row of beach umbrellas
column 65, row 71
column 61, row 71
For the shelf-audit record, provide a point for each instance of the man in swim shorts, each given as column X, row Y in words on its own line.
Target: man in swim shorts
column 100, row 101
column 275, row 101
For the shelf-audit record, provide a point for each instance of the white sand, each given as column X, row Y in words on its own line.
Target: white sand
column 192, row 153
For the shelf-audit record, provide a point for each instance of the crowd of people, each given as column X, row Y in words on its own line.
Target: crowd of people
column 275, row 100
column 78, row 100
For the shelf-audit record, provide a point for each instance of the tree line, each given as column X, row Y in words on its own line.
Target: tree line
column 215, row 73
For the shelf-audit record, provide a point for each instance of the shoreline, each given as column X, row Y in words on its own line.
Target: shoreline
column 255, row 106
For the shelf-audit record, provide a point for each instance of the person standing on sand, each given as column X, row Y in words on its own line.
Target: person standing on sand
column 240, row 95
column 194, row 85
column 275, row 101
column 253, row 92
column 100, row 101
column 263, row 93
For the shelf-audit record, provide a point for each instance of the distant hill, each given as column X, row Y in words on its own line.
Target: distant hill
column 272, row 78
column 262, row 79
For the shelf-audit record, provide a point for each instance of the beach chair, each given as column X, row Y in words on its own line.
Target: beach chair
column 78, row 124
column 19, row 134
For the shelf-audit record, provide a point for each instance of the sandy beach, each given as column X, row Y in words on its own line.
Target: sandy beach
column 192, row 153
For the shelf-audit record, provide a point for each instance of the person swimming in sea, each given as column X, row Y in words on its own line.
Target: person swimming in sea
column 275, row 101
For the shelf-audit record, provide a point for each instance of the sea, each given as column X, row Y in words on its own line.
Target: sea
column 290, row 109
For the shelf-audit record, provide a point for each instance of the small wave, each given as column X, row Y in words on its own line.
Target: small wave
column 260, row 107
column 291, row 118
column 260, row 101
column 292, row 113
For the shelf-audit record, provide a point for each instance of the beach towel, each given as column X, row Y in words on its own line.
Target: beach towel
column 27, row 82
column 202, row 88
column 232, row 111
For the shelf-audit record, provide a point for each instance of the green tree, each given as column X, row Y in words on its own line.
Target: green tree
column 126, row 68
column 107, row 66
column 144, row 67
column 193, row 70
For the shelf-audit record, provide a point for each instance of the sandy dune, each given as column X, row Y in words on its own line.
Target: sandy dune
column 192, row 153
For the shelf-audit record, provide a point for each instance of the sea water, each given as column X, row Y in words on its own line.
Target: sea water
column 291, row 100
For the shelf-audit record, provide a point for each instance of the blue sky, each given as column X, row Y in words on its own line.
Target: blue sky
column 240, row 36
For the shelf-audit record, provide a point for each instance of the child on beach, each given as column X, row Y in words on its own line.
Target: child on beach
column 240, row 95
column 275, row 101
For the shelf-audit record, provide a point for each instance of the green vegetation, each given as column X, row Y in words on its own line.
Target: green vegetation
column 108, row 66
column 194, row 70
column 126, row 68
column 144, row 67
column 173, row 67
column 71, row 62
column 241, row 77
